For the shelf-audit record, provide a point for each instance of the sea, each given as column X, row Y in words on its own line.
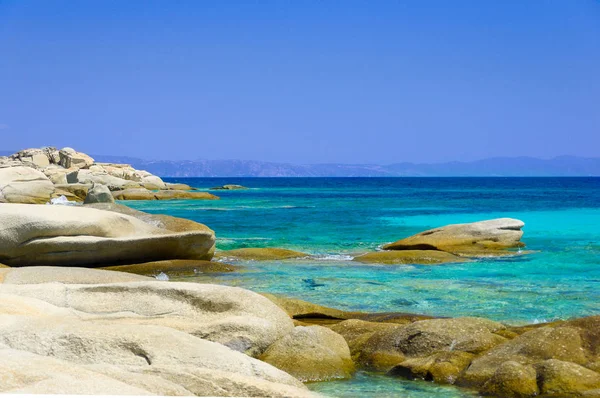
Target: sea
column 334, row 219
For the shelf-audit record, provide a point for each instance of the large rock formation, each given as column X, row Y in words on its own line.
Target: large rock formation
column 174, row 224
column 67, row 167
column 560, row 359
column 58, row 235
column 145, row 337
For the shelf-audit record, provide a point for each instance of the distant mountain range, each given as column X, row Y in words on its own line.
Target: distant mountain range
column 493, row 167
column 500, row 167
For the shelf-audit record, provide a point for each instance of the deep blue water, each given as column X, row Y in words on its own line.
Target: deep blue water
column 336, row 218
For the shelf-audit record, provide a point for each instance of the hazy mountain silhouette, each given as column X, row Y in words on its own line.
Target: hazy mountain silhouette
column 493, row 167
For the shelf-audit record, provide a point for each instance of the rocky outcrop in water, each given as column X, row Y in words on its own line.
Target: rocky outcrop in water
column 559, row 359
column 452, row 243
column 481, row 237
column 37, row 175
column 229, row 187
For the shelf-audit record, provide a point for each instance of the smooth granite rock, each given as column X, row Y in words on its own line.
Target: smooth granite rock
column 66, row 235
column 24, row 185
column 312, row 353
column 101, row 177
column 237, row 318
column 163, row 221
column 144, row 349
column 99, row 194
column 69, row 275
column 22, row 372
column 178, row 186
column 466, row 239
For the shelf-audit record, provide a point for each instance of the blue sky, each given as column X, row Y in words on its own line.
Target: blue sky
column 302, row 81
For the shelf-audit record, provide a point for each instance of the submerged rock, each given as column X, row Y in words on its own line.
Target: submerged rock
column 144, row 194
column 178, row 186
column 174, row 267
column 61, row 235
column 466, row 239
column 229, row 187
column 315, row 313
column 260, row 254
column 24, row 185
column 428, row 257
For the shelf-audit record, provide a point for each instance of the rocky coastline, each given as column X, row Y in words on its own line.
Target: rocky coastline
column 84, row 313
column 39, row 175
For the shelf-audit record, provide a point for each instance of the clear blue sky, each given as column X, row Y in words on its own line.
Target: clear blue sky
column 302, row 81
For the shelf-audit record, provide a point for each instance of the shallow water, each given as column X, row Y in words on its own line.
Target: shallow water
column 335, row 218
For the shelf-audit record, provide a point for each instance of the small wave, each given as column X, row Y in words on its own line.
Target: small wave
column 538, row 320
column 274, row 207
column 250, row 238
column 334, row 257
column 162, row 277
column 213, row 208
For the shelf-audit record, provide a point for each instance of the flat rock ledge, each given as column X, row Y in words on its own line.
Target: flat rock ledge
column 452, row 244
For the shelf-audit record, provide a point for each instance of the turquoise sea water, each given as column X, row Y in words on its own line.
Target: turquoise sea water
column 336, row 218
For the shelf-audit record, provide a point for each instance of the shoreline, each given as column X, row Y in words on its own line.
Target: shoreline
column 123, row 317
